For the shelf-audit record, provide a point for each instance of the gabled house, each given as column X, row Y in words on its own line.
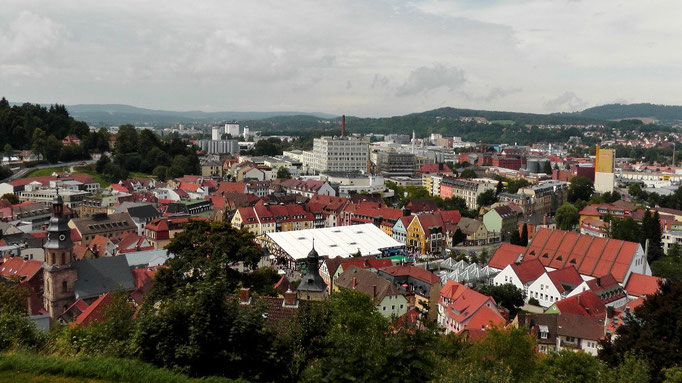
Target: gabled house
column 641, row 285
column 554, row 285
column 461, row 308
column 331, row 268
column 502, row 220
column 101, row 246
column 520, row 274
column 426, row 234
column 586, row 303
column 607, row 289
column 399, row 232
column 564, row 331
column 389, row 300
column 423, row 284
column 476, row 232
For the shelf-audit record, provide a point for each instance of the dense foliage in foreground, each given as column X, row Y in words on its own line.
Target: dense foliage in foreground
column 192, row 324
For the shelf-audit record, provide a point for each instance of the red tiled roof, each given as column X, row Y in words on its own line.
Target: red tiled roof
column 16, row 266
column 412, row 271
column 593, row 256
column 186, row 186
column 94, row 312
column 485, row 317
column 640, row 285
column 119, row 188
column 566, row 276
column 528, row 270
column 586, row 303
column 505, row 255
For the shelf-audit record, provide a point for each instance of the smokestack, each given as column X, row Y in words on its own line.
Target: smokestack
column 354, row 282
column 343, row 126
column 374, row 291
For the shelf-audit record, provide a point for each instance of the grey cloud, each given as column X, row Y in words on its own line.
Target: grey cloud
column 567, row 101
column 428, row 78
column 380, row 81
column 30, row 37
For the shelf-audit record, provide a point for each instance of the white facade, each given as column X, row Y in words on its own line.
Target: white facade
column 166, row 193
column 544, row 290
column 507, row 275
column 338, row 154
column 215, row 134
column 604, row 182
column 232, row 129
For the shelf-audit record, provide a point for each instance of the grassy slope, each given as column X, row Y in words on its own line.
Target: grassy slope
column 26, row 377
column 103, row 181
column 24, row 367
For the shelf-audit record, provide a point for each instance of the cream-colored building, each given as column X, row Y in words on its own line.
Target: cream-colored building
column 604, row 166
column 338, row 154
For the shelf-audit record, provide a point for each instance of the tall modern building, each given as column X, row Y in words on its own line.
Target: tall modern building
column 604, row 166
column 215, row 133
column 338, row 154
column 395, row 164
column 232, row 128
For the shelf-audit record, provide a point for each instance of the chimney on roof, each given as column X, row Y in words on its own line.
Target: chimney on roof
column 354, row 283
column 290, row 298
column 343, row 126
column 374, row 291
column 544, row 220
column 244, row 295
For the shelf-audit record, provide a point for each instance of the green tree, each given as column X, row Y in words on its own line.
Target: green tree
column 656, row 332
column 567, row 217
column 486, row 198
column 7, row 150
column 39, row 141
column 161, row 172
column 467, row 173
column 674, row 251
column 11, row 198
column 5, row 172
column 580, row 188
column 611, row 197
column 458, row 237
column 53, row 148
column 511, row 350
column 283, row 172
column 634, row 190
column 524, row 235
column 507, row 295
column 16, row 329
column 626, row 229
column 204, row 252
column 569, row 366
column 515, row 238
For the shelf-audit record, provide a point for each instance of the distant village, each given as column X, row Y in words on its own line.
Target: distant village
column 372, row 214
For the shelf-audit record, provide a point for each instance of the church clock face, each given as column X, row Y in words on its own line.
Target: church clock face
column 62, row 237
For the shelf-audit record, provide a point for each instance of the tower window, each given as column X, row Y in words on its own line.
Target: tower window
column 64, row 286
column 63, row 258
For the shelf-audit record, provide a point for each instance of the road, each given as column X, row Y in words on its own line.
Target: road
column 21, row 173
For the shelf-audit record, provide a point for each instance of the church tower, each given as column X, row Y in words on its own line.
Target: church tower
column 312, row 286
column 59, row 273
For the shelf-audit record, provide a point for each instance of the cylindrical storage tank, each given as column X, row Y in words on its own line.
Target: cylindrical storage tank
column 543, row 164
column 533, row 165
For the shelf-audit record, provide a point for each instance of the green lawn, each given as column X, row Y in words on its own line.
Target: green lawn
column 26, row 377
column 38, row 368
column 103, row 181
column 46, row 171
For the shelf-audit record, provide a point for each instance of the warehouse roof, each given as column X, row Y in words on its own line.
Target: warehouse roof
column 337, row 241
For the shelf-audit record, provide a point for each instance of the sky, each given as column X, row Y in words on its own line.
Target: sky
column 355, row 57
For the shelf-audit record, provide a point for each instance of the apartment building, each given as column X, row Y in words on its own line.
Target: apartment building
column 469, row 190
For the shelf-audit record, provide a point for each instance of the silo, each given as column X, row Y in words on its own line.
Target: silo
column 544, row 164
column 533, row 165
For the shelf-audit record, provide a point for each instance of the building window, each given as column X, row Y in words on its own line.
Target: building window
column 63, row 259
column 64, row 286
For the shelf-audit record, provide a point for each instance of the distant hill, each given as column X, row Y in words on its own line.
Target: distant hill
column 118, row 114
column 666, row 114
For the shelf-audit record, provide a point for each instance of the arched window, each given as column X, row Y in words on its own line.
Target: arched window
column 63, row 259
column 64, row 286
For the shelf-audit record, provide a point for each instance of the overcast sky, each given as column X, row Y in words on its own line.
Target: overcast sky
column 364, row 58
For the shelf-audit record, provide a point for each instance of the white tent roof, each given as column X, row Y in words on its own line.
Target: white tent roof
column 340, row 241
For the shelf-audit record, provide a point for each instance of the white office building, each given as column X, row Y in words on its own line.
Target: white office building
column 338, row 154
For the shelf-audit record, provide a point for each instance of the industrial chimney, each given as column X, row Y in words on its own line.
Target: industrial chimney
column 343, row 126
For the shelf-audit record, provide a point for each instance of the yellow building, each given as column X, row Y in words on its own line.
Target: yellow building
column 604, row 166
